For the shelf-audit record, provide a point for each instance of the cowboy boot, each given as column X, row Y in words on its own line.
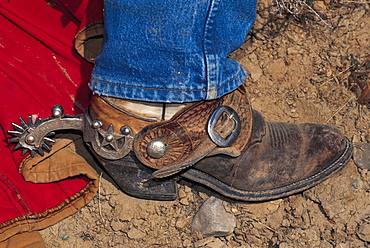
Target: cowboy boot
column 222, row 144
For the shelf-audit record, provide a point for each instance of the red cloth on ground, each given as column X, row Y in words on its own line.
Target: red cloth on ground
column 39, row 68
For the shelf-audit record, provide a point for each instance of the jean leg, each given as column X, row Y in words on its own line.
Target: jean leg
column 171, row 50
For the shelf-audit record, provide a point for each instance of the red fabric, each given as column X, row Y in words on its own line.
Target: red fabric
column 38, row 69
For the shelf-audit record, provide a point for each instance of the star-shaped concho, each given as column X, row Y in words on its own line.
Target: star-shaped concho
column 110, row 138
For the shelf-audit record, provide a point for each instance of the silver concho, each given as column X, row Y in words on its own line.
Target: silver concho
column 156, row 149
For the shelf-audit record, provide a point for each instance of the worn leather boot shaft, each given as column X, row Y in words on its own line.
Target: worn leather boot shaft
column 147, row 111
column 108, row 111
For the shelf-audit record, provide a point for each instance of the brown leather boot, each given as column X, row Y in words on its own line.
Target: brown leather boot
column 222, row 144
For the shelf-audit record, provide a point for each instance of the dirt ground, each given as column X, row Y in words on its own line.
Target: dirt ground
column 301, row 68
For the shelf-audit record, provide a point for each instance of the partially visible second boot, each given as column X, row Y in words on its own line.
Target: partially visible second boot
column 222, row 144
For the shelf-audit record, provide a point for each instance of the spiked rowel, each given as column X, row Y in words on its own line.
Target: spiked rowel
column 35, row 136
column 24, row 135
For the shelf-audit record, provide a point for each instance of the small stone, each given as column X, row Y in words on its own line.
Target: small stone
column 259, row 36
column 262, row 208
column 285, row 223
column 351, row 227
column 357, row 183
column 184, row 201
column 203, row 195
column 320, row 6
column 181, row 222
column 253, row 69
column 294, row 115
column 289, row 102
column 116, row 225
column 135, row 234
column 311, row 235
column 187, row 243
column 235, row 211
column 361, row 155
column 356, row 138
column 187, row 189
column 137, row 222
column 363, row 232
column 214, row 218
column 182, row 193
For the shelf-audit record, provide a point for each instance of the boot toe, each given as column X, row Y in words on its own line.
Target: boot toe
column 288, row 159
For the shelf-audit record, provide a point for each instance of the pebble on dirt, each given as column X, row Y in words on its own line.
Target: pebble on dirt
column 214, row 218
column 361, row 155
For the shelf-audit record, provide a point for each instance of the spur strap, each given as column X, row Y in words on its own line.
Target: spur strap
column 195, row 132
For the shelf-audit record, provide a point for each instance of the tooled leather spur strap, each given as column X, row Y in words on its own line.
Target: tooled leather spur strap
column 194, row 133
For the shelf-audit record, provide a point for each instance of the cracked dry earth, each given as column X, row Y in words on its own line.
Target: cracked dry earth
column 299, row 69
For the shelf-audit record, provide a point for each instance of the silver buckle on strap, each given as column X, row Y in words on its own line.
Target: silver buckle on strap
column 216, row 138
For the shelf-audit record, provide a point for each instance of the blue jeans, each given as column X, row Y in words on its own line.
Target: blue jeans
column 172, row 50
